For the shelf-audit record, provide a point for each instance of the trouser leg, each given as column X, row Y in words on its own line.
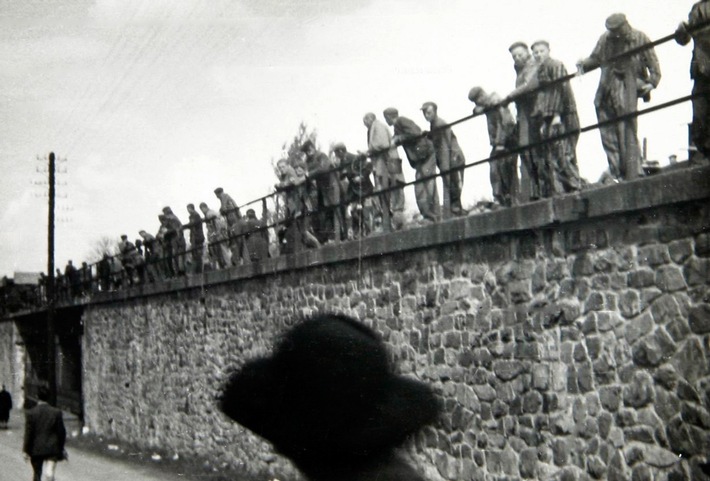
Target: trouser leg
column 611, row 142
column 426, row 192
column 700, row 129
column 37, row 462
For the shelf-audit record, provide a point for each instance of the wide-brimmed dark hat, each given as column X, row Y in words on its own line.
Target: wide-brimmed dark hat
column 328, row 395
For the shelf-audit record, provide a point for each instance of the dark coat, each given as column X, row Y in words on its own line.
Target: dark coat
column 418, row 149
column 44, row 432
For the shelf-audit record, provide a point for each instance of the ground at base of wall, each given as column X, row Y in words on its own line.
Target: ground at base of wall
column 182, row 468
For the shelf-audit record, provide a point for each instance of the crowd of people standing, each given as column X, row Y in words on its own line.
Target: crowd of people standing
column 328, row 197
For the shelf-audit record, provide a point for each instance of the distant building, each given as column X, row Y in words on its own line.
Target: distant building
column 22, row 291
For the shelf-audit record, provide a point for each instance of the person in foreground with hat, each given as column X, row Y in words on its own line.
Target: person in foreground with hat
column 448, row 156
column 422, row 158
column 525, row 83
column 623, row 80
column 328, row 399
column 501, row 132
column 555, row 113
column 699, row 72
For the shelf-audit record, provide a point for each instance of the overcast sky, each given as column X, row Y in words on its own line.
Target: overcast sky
column 158, row 102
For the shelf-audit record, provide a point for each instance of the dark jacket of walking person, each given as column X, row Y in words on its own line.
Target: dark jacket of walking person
column 44, row 437
column 622, row 83
column 699, row 72
column 5, row 406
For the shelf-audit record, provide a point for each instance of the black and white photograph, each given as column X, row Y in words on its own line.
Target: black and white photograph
column 357, row 240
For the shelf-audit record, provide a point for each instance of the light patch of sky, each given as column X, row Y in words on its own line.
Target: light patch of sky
column 157, row 103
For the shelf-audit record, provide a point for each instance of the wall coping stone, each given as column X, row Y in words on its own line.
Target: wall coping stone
column 667, row 188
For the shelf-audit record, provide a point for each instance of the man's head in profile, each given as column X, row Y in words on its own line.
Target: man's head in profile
column 328, row 399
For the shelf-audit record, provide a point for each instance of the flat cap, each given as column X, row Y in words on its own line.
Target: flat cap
column 540, row 42
column 218, row 190
column 475, row 94
column 426, row 105
column 516, row 45
column 391, row 111
column 167, row 210
column 615, row 21
column 339, row 146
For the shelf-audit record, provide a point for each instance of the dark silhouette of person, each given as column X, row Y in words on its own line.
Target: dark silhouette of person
column 5, row 407
column 329, row 400
column 44, row 437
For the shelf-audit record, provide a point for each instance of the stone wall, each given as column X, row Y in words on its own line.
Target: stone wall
column 11, row 363
column 568, row 339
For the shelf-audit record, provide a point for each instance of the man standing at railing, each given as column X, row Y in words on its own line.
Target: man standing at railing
column 448, row 156
column 555, row 113
column 325, row 190
column 386, row 169
column 230, row 212
column 421, row 156
column 623, row 80
column 525, row 82
column 501, row 132
column 699, row 72
column 175, row 239
column 197, row 238
column 216, row 237
column 357, row 170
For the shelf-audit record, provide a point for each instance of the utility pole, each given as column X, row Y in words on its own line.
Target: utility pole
column 51, row 291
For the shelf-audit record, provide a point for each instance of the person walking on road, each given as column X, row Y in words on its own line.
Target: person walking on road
column 5, row 407
column 44, row 437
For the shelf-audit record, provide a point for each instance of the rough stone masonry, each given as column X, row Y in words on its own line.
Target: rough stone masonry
column 568, row 339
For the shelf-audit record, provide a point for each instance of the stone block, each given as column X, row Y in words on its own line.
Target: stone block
column 653, row 255
column 629, row 303
column 541, row 376
column 699, row 319
column 691, row 361
column 680, row 250
column 643, row 277
column 596, row 467
column 638, row 327
column 670, row 278
column 697, row 272
column 702, row 245
column 610, row 397
column 665, row 309
column 528, row 463
column 641, row 434
column 595, row 302
column 583, row 265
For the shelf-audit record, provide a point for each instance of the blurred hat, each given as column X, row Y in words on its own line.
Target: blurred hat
column 391, row 111
column 306, row 145
column 516, row 45
column 540, row 42
column 124, row 237
column 218, row 190
column 339, row 146
column 328, row 395
column 167, row 210
column 615, row 21
column 426, row 105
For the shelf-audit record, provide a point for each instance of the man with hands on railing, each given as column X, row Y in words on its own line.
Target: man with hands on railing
column 624, row 78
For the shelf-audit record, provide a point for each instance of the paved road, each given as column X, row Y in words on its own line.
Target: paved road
column 82, row 465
